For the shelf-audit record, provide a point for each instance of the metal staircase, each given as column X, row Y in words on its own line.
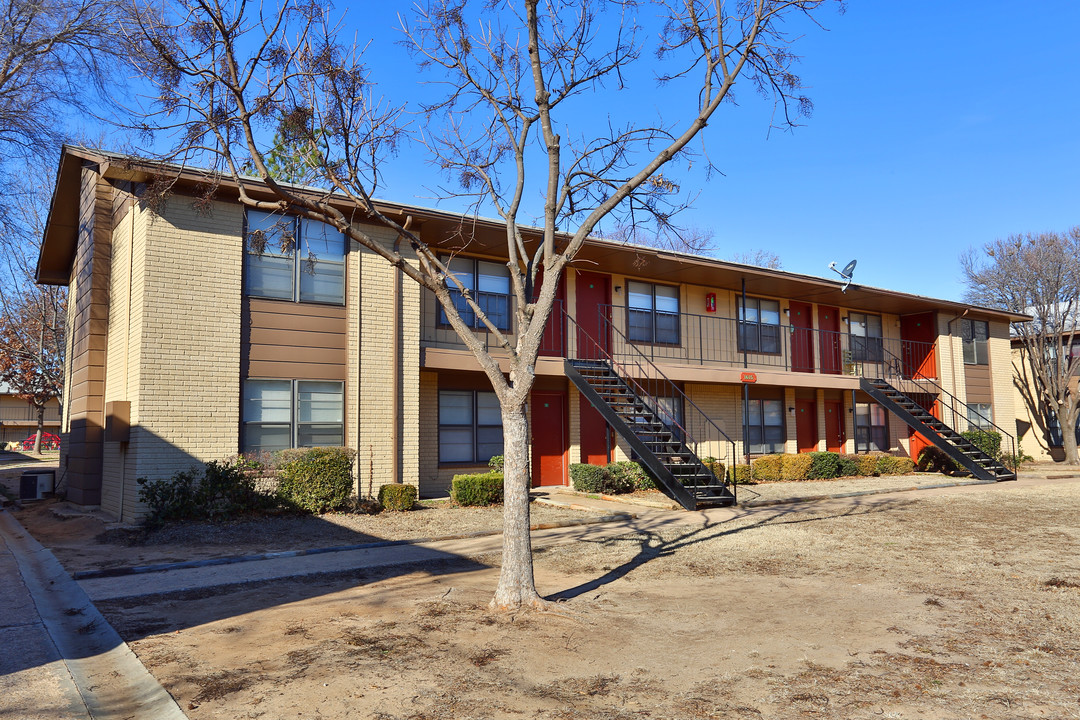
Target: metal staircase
column 660, row 449
column 638, row 401
column 948, row 440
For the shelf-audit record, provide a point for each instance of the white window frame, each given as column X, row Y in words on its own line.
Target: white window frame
column 295, row 426
column 305, row 257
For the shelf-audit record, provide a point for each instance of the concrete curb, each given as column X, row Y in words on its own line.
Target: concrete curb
column 112, row 682
column 210, row 562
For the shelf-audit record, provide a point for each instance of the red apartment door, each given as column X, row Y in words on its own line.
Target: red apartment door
column 916, row 441
column 597, row 438
column 806, row 425
column 802, row 337
column 835, row 435
column 593, row 297
column 549, row 438
column 917, row 336
column 829, row 339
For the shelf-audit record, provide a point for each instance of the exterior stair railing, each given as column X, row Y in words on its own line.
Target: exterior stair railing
column 666, row 429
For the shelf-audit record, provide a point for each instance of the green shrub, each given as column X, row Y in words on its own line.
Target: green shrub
column 628, row 476
column 397, row 497
column 716, row 466
column 987, row 441
column 823, row 466
column 867, row 464
column 496, row 463
column 848, row 466
column 934, row 459
column 767, row 468
column 477, row 489
column 588, row 478
column 894, row 465
column 316, row 480
column 741, row 475
column 795, row 466
column 222, row 489
column 1015, row 461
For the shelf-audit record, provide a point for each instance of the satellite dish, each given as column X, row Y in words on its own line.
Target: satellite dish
column 845, row 273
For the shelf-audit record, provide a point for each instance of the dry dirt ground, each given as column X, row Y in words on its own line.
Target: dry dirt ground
column 946, row 606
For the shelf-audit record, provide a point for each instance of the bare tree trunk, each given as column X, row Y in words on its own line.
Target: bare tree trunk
column 516, row 587
column 1067, row 424
column 41, row 427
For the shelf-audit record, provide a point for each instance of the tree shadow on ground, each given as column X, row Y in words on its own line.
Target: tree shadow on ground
column 652, row 544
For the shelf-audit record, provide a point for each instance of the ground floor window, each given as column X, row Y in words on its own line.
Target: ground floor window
column 980, row 416
column 871, row 430
column 280, row 414
column 470, row 426
column 765, row 427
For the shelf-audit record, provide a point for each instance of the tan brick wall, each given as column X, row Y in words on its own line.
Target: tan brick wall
column 1004, row 404
column 187, row 407
column 431, row 482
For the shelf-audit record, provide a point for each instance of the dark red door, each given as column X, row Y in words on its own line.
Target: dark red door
column 835, row 436
column 806, row 425
column 918, row 334
column 596, row 437
column 916, row 441
column 802, row 337
column 593, row 300
column 829, row 339
column 549, row 438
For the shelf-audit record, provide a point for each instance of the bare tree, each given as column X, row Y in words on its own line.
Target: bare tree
column 516, row 78
column 693, row 240
column 32, row 316
column 1038, row 275
column 759, row 258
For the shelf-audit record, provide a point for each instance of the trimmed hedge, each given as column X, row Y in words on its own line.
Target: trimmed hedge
column 218, row 491
column 767, row 468
column 397, row 497
column 868, row 465
column 316, row 480
column 823, row 466
column 848, row 466
column 795, row 467
column 611, row 480
column 987, row 441
column 716, row 466
column 477, row 489
column 629, row 474
column 893, row 465
column 741, row 475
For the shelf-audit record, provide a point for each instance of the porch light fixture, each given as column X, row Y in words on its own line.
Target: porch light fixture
column 844, row 318
column 618, row 288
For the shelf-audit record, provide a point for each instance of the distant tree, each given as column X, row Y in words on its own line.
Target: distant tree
column 513, row 121
column 1038, row 275
column 55, row 58
column 693, row 240
column 32, row 316
column 760, row 258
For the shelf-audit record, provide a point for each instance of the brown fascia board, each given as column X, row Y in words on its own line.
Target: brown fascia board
column 487, row 236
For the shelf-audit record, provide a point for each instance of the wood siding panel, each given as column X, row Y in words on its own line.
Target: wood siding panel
column 979, row 386
column 293, row 340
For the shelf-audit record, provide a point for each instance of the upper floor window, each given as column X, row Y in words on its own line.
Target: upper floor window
column 652, row 313
column 975, row 333
column 759, row 325
column 293, row 258
column 279, row 414
column 865, row 336
column 489, row 285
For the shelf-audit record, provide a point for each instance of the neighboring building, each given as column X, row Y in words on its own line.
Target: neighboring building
column 182, row 347
column 18, row 418
column 1037, row 430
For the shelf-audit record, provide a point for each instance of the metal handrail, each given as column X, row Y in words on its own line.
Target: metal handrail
column 897, row 368
column 658, row 376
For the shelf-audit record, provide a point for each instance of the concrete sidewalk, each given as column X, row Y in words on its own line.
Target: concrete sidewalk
column 646, row 520
column 61, row 660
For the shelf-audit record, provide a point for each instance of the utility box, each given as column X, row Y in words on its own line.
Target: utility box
column 36, row 484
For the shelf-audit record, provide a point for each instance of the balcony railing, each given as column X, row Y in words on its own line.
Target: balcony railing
column 707, row 340
column 436, row 332
column 26, row 414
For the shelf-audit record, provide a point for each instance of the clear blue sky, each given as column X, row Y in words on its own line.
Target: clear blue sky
column 937, row 126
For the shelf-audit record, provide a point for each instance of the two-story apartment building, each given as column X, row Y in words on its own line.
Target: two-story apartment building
column 185, row 345
column 19, row 418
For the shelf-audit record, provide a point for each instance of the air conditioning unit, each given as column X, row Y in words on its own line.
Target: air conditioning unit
column 35, row 484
